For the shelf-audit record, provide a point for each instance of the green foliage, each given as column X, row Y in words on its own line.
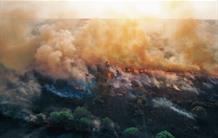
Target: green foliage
column 80, row 112
column 107, row 123
column 85, row 122
column 164, row 134
column 60, row 118
column 131, row 132
column 80, row 120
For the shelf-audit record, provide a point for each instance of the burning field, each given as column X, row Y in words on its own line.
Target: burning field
column 139, row 78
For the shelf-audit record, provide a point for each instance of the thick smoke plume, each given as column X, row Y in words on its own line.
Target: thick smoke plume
column 57, row 55
column 126, row 43
column 65, row 49
column 196, row 46
column 17, row 45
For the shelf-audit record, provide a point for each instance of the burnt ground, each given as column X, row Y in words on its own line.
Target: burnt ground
column 129, row 105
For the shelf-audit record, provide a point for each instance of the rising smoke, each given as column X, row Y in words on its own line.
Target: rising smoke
column 17, row 45
column 65, row 53
column 17, row 94
column 163, row 102
column 65, row 49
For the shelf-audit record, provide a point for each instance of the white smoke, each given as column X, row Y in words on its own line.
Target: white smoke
column 163, row 102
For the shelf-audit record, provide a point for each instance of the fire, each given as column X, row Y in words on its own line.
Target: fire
column 125, row 44
column 67, row 49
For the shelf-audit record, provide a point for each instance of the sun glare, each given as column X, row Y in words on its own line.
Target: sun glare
column 144, row 8
column 119, row 8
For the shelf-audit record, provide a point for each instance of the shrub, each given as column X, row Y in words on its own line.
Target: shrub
column 108, row 128
column 131, row 132
column 164, row 134
column 40, row 119
column 80, row 112
column 83, row 124
column 86, row 124
column 107, row 123
column 61, row 118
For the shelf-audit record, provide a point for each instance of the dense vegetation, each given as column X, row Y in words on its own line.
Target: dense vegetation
column 164, row 134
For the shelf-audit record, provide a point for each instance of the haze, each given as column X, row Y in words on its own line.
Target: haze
column 198, row 9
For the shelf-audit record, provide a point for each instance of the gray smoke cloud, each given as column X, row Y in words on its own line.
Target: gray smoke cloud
column 17, row 94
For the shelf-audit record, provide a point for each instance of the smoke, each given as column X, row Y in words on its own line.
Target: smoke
column 65, row 49
column 48, row 49
column 17, row 45
column 57, row 55
column 121, row 42
column 163, row 102
column 127, row 43
column 17, row 94
column 197, row 50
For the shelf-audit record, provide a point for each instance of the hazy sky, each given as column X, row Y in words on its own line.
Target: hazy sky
column 201, row 9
